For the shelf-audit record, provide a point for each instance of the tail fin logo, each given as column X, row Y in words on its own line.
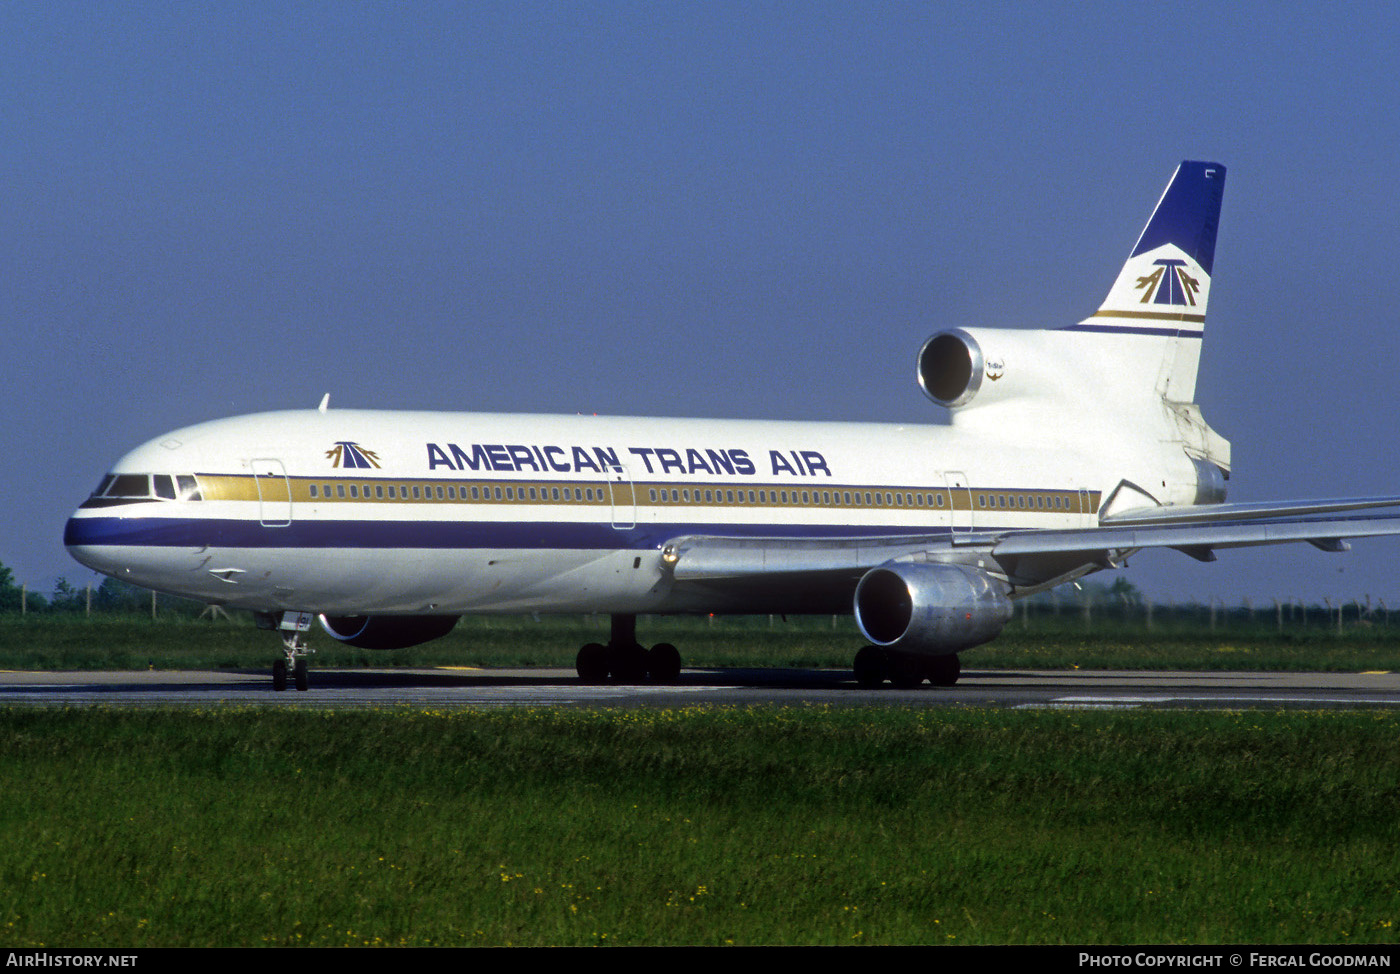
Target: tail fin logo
column 347, row 454
column 1169, row 283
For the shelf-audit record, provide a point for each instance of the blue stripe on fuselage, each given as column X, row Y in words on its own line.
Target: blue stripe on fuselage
column 169, row 532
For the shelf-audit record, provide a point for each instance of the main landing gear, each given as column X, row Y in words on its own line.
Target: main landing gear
column 624, row 660
column 874, row 665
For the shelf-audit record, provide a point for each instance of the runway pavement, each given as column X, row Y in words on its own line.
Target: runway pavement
column 560, row 688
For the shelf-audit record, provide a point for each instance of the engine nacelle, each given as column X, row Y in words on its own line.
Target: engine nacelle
column 950, row 367
column 930, row 609
column 968, row 369
column 387, row 632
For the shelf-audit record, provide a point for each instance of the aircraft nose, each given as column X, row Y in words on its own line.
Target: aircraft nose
column 82, row 539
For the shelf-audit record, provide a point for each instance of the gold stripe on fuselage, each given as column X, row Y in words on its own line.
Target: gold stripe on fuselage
column 334, row 490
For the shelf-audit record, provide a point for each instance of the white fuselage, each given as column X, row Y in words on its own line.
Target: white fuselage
column 347, row 511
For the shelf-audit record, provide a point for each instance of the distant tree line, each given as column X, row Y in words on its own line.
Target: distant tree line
column 1121, row 601
column 113, row 595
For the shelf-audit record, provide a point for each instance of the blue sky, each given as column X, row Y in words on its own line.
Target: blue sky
column 695, row 209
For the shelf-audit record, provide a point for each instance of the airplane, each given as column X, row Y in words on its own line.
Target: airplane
column 1068, row 450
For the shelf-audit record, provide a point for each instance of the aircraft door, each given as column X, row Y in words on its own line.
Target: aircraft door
column 959, row 500
column 274, row 493
column 623, row 498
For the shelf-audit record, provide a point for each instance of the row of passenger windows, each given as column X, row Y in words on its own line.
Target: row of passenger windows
column 828, row 498
column 1024, row 502
column 451, row 492
column 674, row 495
column 130, row 487
column 684, row 495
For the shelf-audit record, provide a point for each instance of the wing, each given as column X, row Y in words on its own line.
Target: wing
column 1035, row 557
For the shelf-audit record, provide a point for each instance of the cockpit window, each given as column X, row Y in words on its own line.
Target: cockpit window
column 130, row 485
column 130, row 488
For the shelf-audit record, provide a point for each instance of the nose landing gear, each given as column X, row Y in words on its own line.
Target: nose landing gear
column 292, row 627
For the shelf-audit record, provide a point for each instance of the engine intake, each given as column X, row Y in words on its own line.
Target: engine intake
column 387, row 632
column 950, row 367
column 930, row 609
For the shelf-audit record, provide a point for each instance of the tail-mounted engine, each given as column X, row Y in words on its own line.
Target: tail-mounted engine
column 930, row 609
column 951, row 367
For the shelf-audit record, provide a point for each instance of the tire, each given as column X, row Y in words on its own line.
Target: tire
column 592, row 663
column 869, row 667
column 906, row 674
column 627, row 664
column 943, row 671
column 664, row 663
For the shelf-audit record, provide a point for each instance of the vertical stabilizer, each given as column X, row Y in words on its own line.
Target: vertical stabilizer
column 1164, row 286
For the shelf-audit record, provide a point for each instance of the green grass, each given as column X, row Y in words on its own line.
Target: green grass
column 696, row 826
column 1042, row 642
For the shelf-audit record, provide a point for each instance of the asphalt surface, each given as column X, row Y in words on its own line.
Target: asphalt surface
column 736, row 687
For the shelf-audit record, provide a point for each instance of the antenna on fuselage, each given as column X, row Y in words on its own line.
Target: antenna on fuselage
column 325, row 403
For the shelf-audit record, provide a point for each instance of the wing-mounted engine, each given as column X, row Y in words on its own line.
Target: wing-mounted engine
column 387, row 632
column 931, row 609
